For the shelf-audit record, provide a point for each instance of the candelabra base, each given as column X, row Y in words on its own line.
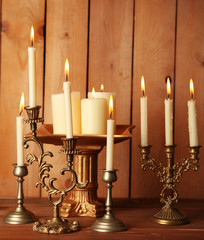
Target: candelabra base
column 20, row 216
column 56, row 226
column 170, row 216
column 108, row 223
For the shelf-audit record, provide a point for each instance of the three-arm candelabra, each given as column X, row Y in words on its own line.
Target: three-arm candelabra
column 169, row 175
column 56, row 225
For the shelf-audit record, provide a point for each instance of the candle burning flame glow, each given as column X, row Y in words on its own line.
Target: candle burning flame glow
column 66, row 68
column 143, row 86
column 93, row 92
column 21, row 107
column 102, row 88
column 168, row 87
column 32, row 36
column 111, row 107
column 191, row 88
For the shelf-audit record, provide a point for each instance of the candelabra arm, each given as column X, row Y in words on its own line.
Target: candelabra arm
column 189, row 163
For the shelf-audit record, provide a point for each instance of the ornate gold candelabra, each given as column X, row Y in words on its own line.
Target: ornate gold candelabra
column 169, row 175
column 56, row 225
column 108, row 223
column 20, row 215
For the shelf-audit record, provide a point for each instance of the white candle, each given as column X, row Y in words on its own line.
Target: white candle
column 105, row 95
column 168, row 117
column 68, row 106
column 93, row 116
column 19, row 134
column 143, row 116
column 32, row 71
column 192, row 122
column 110, row 138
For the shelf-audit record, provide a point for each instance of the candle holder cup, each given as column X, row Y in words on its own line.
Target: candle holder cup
column 169, row 175
column 20, row 215
column 108, row 223
column 56, row 225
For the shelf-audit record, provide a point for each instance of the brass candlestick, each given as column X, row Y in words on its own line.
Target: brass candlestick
column 20, row 215
column 108, row 223
column 56, row 225
column 169, row 175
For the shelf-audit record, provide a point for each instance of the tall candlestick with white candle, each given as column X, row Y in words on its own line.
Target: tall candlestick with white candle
column 19, row 133
column 168, row 116
column 143, row 116
column 110, row 138
column 68, row 106
column 32, row 70
column 192, row 122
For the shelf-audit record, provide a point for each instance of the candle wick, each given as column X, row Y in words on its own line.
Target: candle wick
column 20, row 112
column 143, row 93
column 168, row 96
column 32, row 43
column 111, row 114
column 66, row 78
column 191, row 95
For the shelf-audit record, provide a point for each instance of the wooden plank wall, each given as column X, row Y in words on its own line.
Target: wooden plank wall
column 113, row 42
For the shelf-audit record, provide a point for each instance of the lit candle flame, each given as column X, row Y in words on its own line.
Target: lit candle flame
column 168, row 87
column 143, row 86
column 191, row 88
column 32, row 36
column 93, row 92
column 66, row 69
column 102, row 88
column 21, row 107
column 111, row 107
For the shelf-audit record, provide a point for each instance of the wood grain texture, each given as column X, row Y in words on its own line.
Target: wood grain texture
column 110, row 58
column 154, row 59
column 134, row 213
column 189, row 64
column 17, row 20
column 66, row 37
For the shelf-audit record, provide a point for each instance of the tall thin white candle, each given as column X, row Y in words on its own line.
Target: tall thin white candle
column 143, row 115
column 68, row 105
column 32, row 71
column 19, row 133
column 168, row 116
column 192, row 121
column 110, row 138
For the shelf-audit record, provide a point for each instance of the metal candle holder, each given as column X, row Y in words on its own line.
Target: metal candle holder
column 56, row 225
column 108, row 223
column 169, row 175
column 20, row 215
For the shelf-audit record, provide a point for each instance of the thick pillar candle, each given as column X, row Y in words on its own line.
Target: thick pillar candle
column 32, row 71
column 19, row 134
column 110, row 138
column 105, row 95
column 192, row 121
column 143, row 116
column 68, row 106
column 93, row 116
column 168, row 117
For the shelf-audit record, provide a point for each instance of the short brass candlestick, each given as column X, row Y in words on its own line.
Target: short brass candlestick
column 56, row 225
column 20, row 215
column 169, row 175
column 108, row 223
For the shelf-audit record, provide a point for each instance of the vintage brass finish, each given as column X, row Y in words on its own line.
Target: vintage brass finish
column 20, row 215
column 84, row 202
column 56, row 225
column 108, row 223
column 169, row 175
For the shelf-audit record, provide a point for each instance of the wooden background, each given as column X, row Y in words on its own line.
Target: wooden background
column 113, row 42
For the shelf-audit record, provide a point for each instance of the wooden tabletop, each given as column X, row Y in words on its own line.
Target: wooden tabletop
column 136, row 214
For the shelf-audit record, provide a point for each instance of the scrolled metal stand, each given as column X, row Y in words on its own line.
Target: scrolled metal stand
column 108, row 223
column 56, row 225
column 20, row 215
column 169, row 175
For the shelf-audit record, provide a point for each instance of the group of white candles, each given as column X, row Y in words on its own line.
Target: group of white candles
column 192, row 123
column 91, row 110
column 69, row 108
